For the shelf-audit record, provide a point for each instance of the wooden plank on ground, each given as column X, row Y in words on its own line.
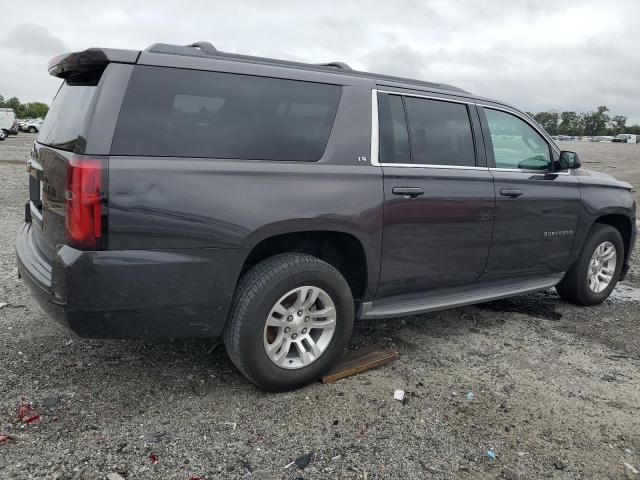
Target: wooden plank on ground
column 358, row 361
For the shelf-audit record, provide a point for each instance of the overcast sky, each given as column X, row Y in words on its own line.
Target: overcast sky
column 535, row 54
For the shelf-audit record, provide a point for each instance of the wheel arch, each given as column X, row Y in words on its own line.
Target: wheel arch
column 343, row 250
column 623, row 224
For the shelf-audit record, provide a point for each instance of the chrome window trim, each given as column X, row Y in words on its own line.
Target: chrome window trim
column 526, row 120
column 430, row 97
column 428, row 165
column 375, row 132
column 539, row 172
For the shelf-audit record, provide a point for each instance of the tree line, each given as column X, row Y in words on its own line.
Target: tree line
column 25, row 110
column 597, row 122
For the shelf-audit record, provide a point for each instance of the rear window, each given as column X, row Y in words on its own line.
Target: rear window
column 65, row 118
column 186, row 113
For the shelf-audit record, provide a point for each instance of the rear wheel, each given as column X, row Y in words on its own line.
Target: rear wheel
column 32, row 130
column 597, row 270
column 291, row 318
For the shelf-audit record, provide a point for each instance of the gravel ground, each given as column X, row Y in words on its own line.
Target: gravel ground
column 556, row 389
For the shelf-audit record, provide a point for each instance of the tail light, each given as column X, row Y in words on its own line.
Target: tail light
column 83, row 202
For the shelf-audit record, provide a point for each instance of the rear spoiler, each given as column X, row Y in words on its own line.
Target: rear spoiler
column 89, row 61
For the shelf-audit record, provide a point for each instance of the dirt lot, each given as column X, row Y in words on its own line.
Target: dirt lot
column 556, row 389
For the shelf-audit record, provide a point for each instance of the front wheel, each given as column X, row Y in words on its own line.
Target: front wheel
column 597, row 270
column 291, row 318
column 32, row 130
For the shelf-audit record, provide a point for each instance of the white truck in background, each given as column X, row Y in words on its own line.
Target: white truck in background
column 626, row 138
column 8, row 122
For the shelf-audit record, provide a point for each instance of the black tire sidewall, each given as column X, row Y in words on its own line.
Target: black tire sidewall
column 587, row 296
column 269, row 375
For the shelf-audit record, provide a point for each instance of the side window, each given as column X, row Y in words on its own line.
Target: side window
column 440, row 132
column 394, row 136
column 187, row 113
column 515, row 143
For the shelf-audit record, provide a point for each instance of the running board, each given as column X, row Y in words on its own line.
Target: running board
column 432, row 300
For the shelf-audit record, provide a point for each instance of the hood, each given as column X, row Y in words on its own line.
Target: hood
column 601, row 178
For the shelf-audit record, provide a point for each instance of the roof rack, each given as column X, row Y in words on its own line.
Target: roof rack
column 340, row 65
column 208, row 49
column 205, row 47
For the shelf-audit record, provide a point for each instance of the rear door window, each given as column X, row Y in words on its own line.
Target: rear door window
column 188, row 113
column 440, row 132
column 394, row 136
column 63, row 123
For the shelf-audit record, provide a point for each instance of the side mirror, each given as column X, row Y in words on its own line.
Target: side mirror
column 569, row 160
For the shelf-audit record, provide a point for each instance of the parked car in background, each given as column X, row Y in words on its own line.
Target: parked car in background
column 181, row 191
column 8, row 122
column 33, row 126
column 601, row 138
column 626, row 138
column 565, row 138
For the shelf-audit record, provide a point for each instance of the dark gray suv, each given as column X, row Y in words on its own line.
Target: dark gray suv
column 181, row 191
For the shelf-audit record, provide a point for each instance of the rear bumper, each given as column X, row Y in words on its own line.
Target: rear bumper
column 132, row 293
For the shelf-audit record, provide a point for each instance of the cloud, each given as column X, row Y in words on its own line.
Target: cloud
column 535, row 54
column 399, row 60
column 34, row 40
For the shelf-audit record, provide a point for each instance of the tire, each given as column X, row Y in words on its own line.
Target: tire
column 32, row 129
column 259, row 293
column 574, row 287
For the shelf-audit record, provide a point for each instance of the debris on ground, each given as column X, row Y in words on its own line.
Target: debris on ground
column 358, row 361
column 398, row 395
column 114, row 476
column 51, row 401
column 27, row 413
column 304, row 460
column 4, row 439
column 629, row 470
column 153, row 458
column 3, row 304
column 608, row 378
column 490, row 454
column 560, row 464
column 470, row 396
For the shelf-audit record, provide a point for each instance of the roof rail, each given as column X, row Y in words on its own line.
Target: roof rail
column 340, row 65
column 205, row 47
